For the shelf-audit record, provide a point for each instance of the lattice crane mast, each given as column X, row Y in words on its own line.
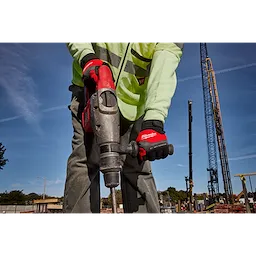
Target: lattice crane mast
column 214, row 129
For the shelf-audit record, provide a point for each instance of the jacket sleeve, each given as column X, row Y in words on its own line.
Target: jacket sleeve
column 79, row 50
column 162, row 80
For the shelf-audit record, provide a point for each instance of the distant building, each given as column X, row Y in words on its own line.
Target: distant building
column 50, row 205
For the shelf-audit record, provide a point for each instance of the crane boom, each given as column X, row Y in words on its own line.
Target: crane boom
column 210, row 85
column 213, row 183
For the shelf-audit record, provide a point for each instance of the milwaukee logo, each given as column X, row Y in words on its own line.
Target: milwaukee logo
column 149, row 135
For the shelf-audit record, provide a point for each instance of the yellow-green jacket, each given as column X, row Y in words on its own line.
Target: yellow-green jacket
column 144, row 73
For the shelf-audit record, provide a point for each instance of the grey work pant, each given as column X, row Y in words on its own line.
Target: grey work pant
column 82, row 187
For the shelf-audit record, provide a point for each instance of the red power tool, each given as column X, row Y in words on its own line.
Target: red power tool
column 101, row 116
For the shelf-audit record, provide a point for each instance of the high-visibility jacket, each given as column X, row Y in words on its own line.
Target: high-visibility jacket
column 144, row 73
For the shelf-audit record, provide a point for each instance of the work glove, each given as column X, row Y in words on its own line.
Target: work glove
column 152, row 141
column 90, row 65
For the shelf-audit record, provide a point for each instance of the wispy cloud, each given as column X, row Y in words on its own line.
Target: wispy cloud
column 42, row 111
column 39, row 182
column 226, row 70
column 18, row 83
column 9, row 119
column 55, row 108
column 55, row 182
column 242, row 157
column 37, row 186
column 181, row 165
column 30, row 109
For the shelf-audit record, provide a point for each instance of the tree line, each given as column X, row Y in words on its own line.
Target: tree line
column 170, row 195
column 19, row 198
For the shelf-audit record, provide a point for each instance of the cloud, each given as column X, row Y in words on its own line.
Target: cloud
column 42, row 111
column 39, row 182
column 9, row 119
column 54, row 182
column 181, row 165
column 226, row 70
column 18, row 84
column 242, row 157
column 55, row 108
column 23, row 89
column 36, row 185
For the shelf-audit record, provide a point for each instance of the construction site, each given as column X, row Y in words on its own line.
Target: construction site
column 217, row 199
column 212, row 201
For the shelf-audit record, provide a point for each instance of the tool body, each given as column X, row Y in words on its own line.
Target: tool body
column 101, row 116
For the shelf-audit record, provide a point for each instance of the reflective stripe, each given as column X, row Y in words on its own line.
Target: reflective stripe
column 135, row 70
column 139, row 56
column 180, row 45
column 115, row 60
column 106, row 55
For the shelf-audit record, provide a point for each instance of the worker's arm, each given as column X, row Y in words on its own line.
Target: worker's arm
column 85, row 56
column 80, row 50
column 162, row 80
column 152, row 140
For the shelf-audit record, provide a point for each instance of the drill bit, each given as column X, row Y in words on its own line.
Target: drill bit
column 113, row 196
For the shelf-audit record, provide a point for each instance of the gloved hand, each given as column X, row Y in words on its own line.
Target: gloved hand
column 152, row 141
column 90, row 65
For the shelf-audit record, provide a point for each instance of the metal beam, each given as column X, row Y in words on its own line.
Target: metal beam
column 243, row 180
column 245, row 174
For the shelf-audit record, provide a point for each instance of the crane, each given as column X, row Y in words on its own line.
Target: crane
column 214, row 130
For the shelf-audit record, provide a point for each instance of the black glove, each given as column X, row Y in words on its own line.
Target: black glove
column 152, row 141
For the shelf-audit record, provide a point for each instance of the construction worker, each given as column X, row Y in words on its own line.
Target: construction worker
column 145, row 79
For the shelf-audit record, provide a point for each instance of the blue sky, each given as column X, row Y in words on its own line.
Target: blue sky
column 35, row 123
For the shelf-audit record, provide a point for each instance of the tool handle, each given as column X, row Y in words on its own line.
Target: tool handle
column 133, row 149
